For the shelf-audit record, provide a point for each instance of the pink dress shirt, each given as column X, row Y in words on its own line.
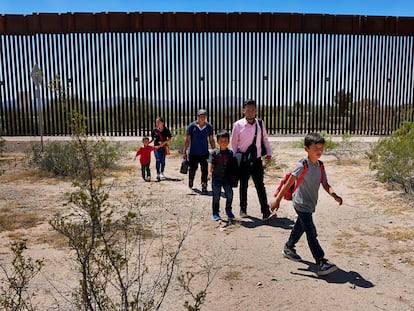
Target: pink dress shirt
column 242, row 136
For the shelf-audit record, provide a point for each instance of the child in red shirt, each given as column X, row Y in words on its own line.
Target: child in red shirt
column 145, row 158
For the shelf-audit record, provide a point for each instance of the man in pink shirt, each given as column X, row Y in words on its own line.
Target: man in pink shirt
column 246, row 135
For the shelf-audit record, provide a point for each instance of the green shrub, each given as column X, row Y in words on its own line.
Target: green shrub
column 177, row 142
column 393, row 157
column 64, row 158
column 14, row 290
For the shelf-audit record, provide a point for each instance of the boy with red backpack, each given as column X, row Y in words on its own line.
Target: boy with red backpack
column 308, row 175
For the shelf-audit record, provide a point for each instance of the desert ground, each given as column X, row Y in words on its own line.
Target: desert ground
column 369, row 237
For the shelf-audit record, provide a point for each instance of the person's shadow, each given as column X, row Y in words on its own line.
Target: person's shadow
column 198, row 191
column 254, row 222
column 172, row 179
column 339, row 276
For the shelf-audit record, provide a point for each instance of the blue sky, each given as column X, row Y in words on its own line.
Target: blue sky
column 352, row 7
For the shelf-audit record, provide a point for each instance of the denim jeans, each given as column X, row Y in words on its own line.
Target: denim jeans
column 256, row 172
column 304, row 224
column 216, row 186
column 160, row 160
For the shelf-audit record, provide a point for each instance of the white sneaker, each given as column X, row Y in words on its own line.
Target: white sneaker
column 162, row 175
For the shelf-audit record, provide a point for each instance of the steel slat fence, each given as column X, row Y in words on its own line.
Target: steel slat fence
column 303, row 80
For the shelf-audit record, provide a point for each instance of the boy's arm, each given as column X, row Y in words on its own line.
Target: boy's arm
column 210, row 170
column 275, row 204
column 212, row 141
column 331, row 192
column 137, row 154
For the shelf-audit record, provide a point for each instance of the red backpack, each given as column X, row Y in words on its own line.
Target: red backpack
column 289, row 193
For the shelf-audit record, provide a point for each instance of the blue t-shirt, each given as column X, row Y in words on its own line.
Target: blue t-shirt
column 199, row 138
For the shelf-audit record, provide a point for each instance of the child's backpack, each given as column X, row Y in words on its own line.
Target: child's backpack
column 289, row 193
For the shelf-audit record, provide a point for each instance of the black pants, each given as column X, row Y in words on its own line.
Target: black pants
column 255, row 171
column 304, row 224
column 145, row 170
column 193, row 161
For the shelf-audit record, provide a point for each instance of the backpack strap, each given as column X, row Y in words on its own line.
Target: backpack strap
column 322, row 168
column 159, row 135
column 305, row 169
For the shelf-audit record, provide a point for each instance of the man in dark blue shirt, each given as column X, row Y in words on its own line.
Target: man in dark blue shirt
column 197, row 137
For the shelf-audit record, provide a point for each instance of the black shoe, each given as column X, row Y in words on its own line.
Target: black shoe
column 204, row 190
column 270, row 217
column 291, row 254
column 266, row 215
column 230, row 214
column 325, row 267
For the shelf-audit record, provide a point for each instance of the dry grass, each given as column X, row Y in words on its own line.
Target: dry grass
column 347, row 243
column 400, row 234
column 13, row 218
column 30, row 175
column 402, row 205
column 391, row 233
column 394, row 235
column 54, row 239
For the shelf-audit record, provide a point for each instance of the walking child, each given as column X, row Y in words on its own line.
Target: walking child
column 145, row 158
column 304, row 201
column 218, row 163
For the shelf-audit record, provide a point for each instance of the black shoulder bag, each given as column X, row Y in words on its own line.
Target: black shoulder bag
column 250, row 155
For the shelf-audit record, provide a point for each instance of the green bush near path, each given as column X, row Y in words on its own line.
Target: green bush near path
column 64, row 158
column 393, row 158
